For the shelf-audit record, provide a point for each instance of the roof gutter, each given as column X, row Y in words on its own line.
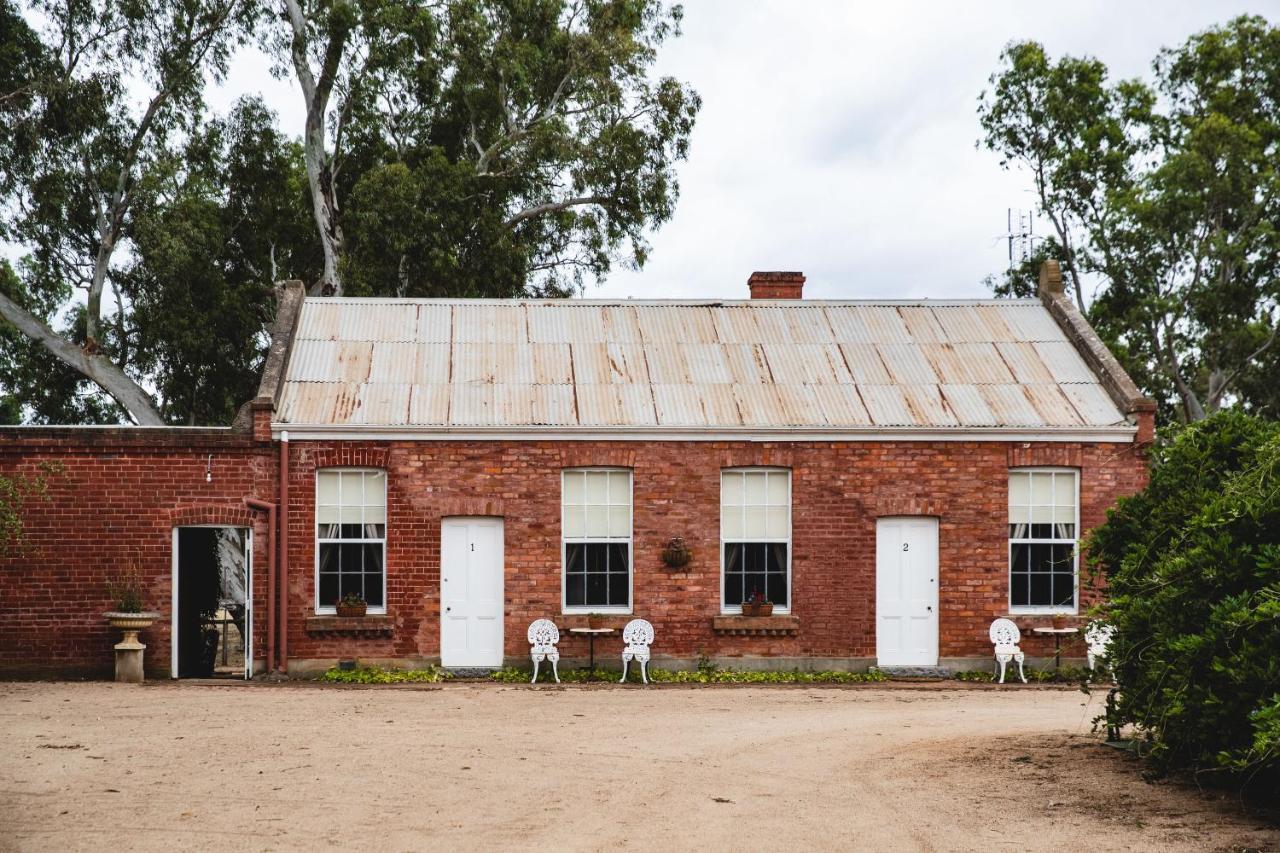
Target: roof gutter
column 1124, row 433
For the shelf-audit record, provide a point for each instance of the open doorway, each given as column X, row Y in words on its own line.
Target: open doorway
column 212, row 604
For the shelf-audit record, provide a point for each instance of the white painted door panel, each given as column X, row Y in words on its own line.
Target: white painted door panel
column 471, row 569
column 907, row 591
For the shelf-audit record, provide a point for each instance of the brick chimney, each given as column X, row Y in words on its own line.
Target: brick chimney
column 1051, row 278
column 776, row 285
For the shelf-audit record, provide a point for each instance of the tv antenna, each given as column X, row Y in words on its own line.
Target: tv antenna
column 1021, row 235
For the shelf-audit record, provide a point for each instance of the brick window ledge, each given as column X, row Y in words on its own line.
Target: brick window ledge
column 774, row 626
column 362, row 626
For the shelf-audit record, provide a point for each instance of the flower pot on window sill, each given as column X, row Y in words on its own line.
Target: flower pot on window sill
column 349, row 611
column 765, row 609
column 750, row 609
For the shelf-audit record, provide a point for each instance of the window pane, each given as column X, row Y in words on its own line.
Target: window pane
column 1019, row 494
column 597, row 524
column 1064, row 489
column 373, row 589
column 754, row 556
column 732, row 557
column 373, row 558
column 754, row 521
column 328, row 558
column 375, row 488
column 350, row 584
column 1020, row 557
column 776, row 557
column 776, row 522
column 1042, row 514
column 619, row 589
column 1041, row 590
column 348, row 514
column 619, row 558
column 574, row 491
column 597, row 558
column 753, row 583
column 597, row 589
column 731, row 523
column 1019, row 590
column 731, row 488
column 575, row 560
column 620, row 521
column 777, row 592
column 326, row 514
column 327, row 487
column 350, row 531
column 1041, row 557
column 575, row 590
column 575, row 523
column 619, row 487
column 351, row 557
column 597, row 487
column 733, row 589
column 1041, row 488
column 755, row 488
column 777, row 487
column 328, row 589
column 1064, row 590
column 351, row 487
column 375, row 515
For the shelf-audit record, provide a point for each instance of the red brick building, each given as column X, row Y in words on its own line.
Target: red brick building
column 890, row 476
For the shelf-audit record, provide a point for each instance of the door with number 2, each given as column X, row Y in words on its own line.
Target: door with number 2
column 907, row 591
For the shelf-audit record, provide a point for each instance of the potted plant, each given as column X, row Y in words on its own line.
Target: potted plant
column 351, row 605
column 676, row 555
column 127, row 597
column 1060, row 620
column 595, row 620
column 757, row 605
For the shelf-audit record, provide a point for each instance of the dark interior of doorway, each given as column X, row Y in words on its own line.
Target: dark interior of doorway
column 211, row 602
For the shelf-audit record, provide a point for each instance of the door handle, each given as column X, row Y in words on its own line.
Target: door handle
column 448, row 610
column 929, row 607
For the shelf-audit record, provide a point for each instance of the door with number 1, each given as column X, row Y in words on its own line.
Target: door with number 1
column 907, row 591
column 471, row 567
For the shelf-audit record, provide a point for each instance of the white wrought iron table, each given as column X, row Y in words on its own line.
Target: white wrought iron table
column 1057, row 641
column 591, row 639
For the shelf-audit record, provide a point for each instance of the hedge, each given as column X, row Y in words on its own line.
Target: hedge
column 1193, row 568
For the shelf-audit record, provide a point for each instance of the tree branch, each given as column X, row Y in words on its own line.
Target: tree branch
column 97, row 368
column 553, row 206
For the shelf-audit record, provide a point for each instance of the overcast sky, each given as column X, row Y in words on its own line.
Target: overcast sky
column 838, row 138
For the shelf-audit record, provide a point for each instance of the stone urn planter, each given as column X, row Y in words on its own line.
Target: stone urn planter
column 129, row 650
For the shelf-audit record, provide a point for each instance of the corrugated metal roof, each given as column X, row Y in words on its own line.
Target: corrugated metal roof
column 587, row 363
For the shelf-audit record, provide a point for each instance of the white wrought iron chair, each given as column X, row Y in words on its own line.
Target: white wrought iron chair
column 1005, row 636
column 638, row 635
column 543, row 636
column 1098, row 638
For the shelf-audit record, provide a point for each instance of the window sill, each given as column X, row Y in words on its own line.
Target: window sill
column 370, row 625
column 767, row 626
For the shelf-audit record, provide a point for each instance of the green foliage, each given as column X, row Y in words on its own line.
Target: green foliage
column 381, row 675
column 1193, row 567
column 126, row 591
column 16, row 492
column 1063, row 675
column 1167, row 194
column 702, row 675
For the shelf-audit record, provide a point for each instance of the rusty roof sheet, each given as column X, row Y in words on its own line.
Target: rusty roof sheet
column 691, row 365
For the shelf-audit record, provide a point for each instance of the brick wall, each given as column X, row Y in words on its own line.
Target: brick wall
column 120, row 493
column 838, row 491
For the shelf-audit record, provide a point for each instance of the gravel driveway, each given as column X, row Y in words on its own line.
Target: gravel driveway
column 249, row 767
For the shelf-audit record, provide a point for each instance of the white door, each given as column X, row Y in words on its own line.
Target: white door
column 471, row 569
column 907, row 591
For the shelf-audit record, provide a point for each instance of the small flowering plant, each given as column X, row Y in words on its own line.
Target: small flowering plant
column 351, row 599
column 351, row 604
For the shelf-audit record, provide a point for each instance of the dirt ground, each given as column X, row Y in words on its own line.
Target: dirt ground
column 194, row 767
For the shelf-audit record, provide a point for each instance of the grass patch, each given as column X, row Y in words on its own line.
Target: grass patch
column 381, row 675
column 512, row 675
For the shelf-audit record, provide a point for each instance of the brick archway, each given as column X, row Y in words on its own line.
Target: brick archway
column 231, row 516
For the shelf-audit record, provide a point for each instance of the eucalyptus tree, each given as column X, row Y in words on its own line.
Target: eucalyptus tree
column 484, row 147
column 1168, row 195
column 75, row 148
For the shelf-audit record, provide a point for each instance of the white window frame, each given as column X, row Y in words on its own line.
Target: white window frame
column 1029, row 609
column 565, row 607
column 736, row 609
column 329, row 609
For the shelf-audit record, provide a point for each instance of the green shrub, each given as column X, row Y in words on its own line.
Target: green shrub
column 1065, row 675
column 379, row 675
column 1193, row 567
column 702, row 675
